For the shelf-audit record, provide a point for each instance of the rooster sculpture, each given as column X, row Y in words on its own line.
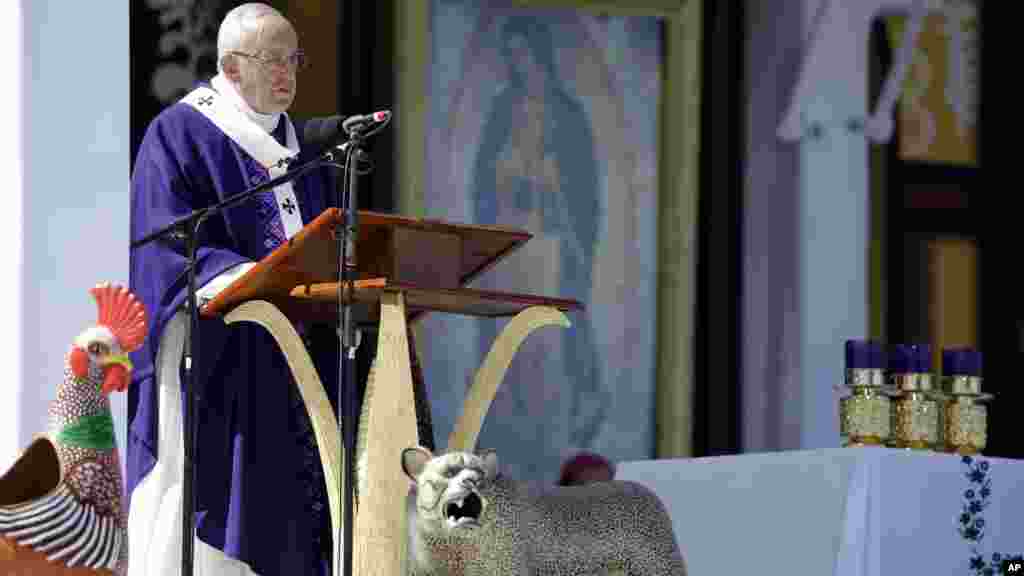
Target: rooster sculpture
column 60, row 502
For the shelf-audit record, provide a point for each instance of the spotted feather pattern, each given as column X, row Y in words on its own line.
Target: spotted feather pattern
column 77, row 397
column 98, row 485
column 94, row 476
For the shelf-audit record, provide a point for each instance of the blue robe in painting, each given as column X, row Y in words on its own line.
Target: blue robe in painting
column 259, row 486
column 573, row 211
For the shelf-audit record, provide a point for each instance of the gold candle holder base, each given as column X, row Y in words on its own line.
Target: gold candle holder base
column 864, row 442
column 916, row 421
column 864, row 417
column 965, row 427
column 914, row 445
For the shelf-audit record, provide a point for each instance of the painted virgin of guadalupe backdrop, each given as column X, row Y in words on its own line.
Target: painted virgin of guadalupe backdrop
column 545, row 120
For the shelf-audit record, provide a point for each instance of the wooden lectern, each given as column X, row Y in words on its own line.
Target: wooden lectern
column 406, row 267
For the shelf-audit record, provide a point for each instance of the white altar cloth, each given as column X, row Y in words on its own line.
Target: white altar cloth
column 843, row 511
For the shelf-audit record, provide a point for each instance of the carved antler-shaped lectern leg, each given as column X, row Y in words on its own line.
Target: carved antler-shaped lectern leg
column 387, row 425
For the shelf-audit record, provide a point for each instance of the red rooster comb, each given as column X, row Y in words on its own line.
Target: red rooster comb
column 122, row 313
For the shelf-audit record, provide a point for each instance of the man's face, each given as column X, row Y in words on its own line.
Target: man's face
column 267, row 82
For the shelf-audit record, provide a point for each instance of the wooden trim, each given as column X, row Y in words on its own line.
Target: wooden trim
column 678, row 166
column 412, row 50
column 953, row 295
column 469, row 301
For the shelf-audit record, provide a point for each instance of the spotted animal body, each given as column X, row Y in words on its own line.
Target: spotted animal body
column 469, row 520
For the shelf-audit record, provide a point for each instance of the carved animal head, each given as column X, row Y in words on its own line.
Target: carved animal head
column 449, row 488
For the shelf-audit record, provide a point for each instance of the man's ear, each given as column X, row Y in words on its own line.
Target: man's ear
column 413, row 461
column 229, row 66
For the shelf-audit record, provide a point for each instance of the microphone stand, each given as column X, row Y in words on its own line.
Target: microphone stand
column 187, row 229
column 346, row 233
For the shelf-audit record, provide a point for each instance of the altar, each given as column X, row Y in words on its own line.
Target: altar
column 843, row 511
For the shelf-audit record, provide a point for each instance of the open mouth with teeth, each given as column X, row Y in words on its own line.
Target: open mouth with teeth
column 464, row 512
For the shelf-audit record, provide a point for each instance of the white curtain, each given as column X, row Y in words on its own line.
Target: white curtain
column 12, row 148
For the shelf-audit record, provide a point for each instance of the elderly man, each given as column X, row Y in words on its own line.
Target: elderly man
column 260, row 494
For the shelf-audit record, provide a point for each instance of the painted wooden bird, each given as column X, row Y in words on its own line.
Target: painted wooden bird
column 60, row 502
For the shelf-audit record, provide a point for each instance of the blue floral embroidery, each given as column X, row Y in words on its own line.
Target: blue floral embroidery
column 971, row 524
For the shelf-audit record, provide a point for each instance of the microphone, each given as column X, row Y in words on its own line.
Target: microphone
column 323, row 133
column 360, row 123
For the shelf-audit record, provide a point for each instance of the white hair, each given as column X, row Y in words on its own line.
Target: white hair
column 239, row 22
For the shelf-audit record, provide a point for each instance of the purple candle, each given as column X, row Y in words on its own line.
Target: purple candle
column 864, row 355
column 910, row 359
column 961, row 362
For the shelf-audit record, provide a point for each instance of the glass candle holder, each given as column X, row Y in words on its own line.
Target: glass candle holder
column 966, row 425
column 864, row 412
column 864, row 417
column 916, row 406
column 965, row 416
column 916, row 421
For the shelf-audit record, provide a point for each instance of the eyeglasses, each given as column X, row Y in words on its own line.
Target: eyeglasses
column 294, row 61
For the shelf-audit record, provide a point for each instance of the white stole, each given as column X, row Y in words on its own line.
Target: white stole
column 255, row 141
